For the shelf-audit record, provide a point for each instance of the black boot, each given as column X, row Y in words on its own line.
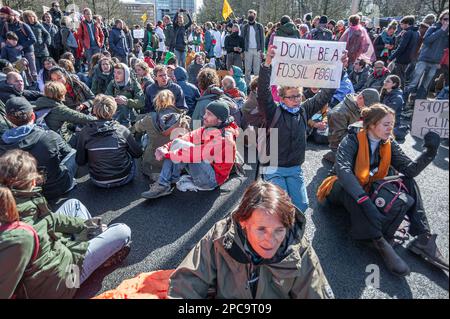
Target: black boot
column 425, row 246
column 394, row 262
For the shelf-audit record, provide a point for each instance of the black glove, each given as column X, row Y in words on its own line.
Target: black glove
column 431, row 142
column 375, row 217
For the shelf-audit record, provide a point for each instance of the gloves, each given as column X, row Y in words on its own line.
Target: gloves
column 375, row 217
column 94, row 227
column 431, row 142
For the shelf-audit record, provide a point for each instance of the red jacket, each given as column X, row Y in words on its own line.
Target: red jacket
column 84, row 35
column 210, row 146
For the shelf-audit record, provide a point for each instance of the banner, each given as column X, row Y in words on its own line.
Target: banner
column 430, row 115
column 138, row 33
column 307, row 63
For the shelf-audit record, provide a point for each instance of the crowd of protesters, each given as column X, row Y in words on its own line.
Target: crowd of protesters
column 177, row 99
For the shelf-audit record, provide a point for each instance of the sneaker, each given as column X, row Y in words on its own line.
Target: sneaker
column 330, row 157
column 118, row 257
column 425, row 246
column 157, row 190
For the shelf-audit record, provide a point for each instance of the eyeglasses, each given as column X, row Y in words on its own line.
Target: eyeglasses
column 293, row 97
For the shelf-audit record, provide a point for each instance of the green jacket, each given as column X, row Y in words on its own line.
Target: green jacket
column 132, row 91
column 48, row 274
column 59, row 115
column 220, row 262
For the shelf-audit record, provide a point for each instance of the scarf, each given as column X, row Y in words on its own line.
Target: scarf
column 386, row 40
column 362, row 167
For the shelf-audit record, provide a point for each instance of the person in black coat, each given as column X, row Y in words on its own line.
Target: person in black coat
column 234, row 45
column 351, row 189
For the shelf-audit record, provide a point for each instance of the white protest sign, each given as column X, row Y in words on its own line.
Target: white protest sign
column 430, row 115
column 307, row 63
column 138, row 33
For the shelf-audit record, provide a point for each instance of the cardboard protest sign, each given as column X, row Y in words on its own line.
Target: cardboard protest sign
column 138, row 33
column 430, row 115
column 307, row 63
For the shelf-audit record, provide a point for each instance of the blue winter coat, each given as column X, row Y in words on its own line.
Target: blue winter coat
column 191, row 92
column 345, row 88
column 152, row 90
column 407, row 46
column 25, row 34
column 434, row 43
column 209, row 46
column 118, row 42
column 238, row 76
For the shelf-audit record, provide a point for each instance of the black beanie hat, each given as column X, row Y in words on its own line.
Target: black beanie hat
column 219, row 109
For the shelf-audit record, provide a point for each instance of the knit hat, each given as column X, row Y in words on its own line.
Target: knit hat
column 219, row 109
column 371, row 96
column 18, row 104
column 285, row 19
column 323, row 20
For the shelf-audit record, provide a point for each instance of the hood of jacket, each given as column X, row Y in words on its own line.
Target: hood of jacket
column 237, row 72
column 165, row 119
column 101, row 128
column 289, row 29
column 21, row 137
column 180, row 74
column 126, row 80
column 44, row 103
column 234, row 241
column 211, row 91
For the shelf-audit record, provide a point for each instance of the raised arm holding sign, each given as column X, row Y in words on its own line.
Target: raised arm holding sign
column 307, row 63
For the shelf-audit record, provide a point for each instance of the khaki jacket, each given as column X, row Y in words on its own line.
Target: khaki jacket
column 219, row 262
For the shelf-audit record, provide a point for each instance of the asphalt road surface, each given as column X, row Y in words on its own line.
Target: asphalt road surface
column 165, row 229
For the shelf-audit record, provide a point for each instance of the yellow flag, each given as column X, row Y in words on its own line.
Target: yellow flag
column 226, row 11
column 144, row 17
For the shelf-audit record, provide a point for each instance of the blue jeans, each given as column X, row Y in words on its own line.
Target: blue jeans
column 290, row 179
column 71, row 165
column 125, row 181
column 100, row 248
column 421, row 79
column 181, row 57
column 202, row 174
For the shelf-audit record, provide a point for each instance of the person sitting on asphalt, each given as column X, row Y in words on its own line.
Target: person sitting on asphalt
column 143, row 75
column 367, row 156
column 78, row 96
column 258, row 252
column 377, row 77
column 52, row 153
column 159, row 127
column 162, row 82
column 14, row 86
column 52, row 113
column 344, row 114
column 127, row 93
column 207, row 153
column 53, row 257
column 103, row 73
column 107, row 147
column 360, row 74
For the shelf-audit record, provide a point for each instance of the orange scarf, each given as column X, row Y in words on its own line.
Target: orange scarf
column 362, row 167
